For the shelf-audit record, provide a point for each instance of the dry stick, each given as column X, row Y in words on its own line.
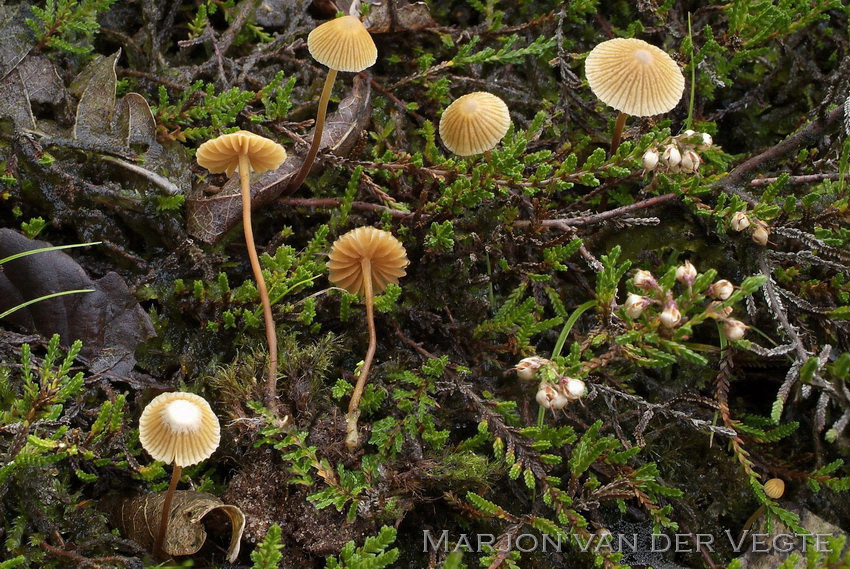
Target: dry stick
column 317, row 132
column 809, row 134
column 166, row 510
column 352, row 438
column 271, row 334
column 618, row 132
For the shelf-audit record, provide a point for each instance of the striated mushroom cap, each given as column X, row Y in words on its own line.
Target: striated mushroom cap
column 222, row 154
column 634, row 77
column 474, row 123
column 180, row 428
column 386, row 254
column 343, row 44
column 774, row 488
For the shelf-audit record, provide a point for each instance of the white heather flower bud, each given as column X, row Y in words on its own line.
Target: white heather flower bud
column 635, row 305
column 671, row 315
column 690, row 162
column 644, row 280
column 688, row 133
column 686, row 274
column 759, row 232
column 527, row 367
column 550, row 398
column 650, row 159
column 734, row 329
column 671, row 157
column 721, row 290
column 573, row 388
column 707, row 141
column 740, row 221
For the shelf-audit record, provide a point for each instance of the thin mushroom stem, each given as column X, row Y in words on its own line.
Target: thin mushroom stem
column 618, row 132
column 317, row 132
column 271, row 334
column 166, row 511
column 352, row 439
column 752, row 519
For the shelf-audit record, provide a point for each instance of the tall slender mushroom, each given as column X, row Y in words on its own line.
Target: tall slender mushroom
column 246, row 151
column 342, row 44
column 474, row 123
column 178, row 428
column 363, row 261
column 634, row 77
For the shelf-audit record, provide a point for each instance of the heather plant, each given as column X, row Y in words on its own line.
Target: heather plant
column 585, row 339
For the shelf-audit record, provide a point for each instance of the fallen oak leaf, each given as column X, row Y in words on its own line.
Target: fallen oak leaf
column 209, row 218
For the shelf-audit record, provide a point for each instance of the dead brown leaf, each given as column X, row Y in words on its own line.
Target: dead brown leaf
column 109, row 321
column 138, row 519
column 210, row 217
column 398, row 16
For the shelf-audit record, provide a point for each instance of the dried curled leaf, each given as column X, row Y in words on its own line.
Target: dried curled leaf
column 138, row 519
column 210, row 217
column 96, row 86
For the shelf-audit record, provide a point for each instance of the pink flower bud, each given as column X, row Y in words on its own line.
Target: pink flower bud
column 721, row 290
column 740, row 221
column 527, row 368
column 671, row 157
column 686, row 274
column 550, row 398
column 650, row 159
column 572, row 388
column 635, row 305
column 644, row 280
column 760, row 232
column 734, row 329
column 671, row 315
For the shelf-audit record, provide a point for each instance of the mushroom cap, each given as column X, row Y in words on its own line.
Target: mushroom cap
column 774, row 488
column 222, row 154
column 386, row 253
column 343, row 44
column 634, row 77
column 474, row 123
column 179, row 427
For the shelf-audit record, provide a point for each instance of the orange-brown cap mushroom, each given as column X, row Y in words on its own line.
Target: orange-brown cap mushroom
column 774, row 488
column 474, row 123
column 364, row 260
column 343, row 44
column 222, row 154
column 634, row 77
column 385, row 253
column 248, row 151
column 180, row 428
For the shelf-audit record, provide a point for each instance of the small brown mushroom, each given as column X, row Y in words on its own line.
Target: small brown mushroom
column 178, row 428
column 474, row 123
column 634, row 77
column 247, row 151
column 342, row 44
column 773, row 488
column 362, row 261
